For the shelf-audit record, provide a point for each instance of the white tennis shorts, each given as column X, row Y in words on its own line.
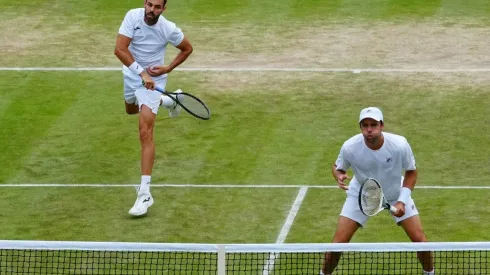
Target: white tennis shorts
column 352, row 211
column 135, row 92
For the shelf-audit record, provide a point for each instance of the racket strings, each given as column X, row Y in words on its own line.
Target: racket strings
column 371, row 198
column 194, row 106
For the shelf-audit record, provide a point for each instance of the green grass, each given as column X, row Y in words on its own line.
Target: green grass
column 223, row 215
column 76, row 131
column 244, row 27
column 72, row 129
column 265, row 11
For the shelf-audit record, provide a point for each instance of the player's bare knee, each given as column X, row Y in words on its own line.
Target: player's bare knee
column 131, row 108
column 146, row 134
column 131, row 111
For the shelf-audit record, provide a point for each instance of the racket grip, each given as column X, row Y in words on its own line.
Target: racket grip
column 393, row 209
column 156, row 87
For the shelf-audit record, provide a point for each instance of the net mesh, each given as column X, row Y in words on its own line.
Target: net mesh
column 23, row 257
column 105, row 262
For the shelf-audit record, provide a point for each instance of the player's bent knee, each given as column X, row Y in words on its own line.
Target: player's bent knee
column 132, row 111
column 131, row 108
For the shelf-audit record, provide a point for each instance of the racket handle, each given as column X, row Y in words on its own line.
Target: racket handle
column 393, row 209
column 156, row 87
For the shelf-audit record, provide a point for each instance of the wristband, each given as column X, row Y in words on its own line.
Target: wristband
column 136, row 68
column 404, row 195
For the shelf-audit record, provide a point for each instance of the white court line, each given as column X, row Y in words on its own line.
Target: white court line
column 219, row 186
column 263, row 69
column 269, row 265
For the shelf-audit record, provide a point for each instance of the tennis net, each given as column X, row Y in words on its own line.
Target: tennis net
column 52, row 257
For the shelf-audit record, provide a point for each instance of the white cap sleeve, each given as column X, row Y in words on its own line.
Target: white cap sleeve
column 408, row 159
column 127, row 28
column 176, row 37
column 341, row 162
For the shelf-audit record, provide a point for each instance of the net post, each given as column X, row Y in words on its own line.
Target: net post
column 221, row 260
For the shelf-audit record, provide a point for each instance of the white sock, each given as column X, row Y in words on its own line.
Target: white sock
column 167, row 102
column 145, row 185
column 429, row 272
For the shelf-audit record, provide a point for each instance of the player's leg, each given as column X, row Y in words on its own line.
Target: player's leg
column 165, row 101
column 146, row 124
column 130, row 101
column 351, row 219
column 149, row 102
column 170, row 104
column 345, row 230
column 412, row 225
column 131, row 108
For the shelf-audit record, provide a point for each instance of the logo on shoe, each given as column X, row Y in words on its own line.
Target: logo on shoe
column 147, row 200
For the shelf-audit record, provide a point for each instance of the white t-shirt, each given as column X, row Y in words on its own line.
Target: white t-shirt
column 148, row 43
column 385, row 164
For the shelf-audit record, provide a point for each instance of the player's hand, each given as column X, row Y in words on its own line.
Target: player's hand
column 400, row 206
column 340, row 181
column 159, row 70
column 147, row 81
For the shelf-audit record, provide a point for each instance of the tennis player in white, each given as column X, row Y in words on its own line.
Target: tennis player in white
column 383, row 156
column 141, row 43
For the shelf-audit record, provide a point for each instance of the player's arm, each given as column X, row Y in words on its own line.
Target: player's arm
column 409, row 182
column 340, row 175
column 185, row 48
column 124, row 55
column 337, row 172
column 408, row 164
column 122, row 50
column 339, row 169
column 410, row 179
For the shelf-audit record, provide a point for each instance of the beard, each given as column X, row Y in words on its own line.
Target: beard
column 151, row 18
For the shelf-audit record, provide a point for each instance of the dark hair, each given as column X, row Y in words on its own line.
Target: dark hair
column 164, row 2
column 379, row 121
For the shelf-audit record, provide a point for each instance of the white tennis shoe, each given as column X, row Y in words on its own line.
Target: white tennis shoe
column 175, row 110
column 141, row 205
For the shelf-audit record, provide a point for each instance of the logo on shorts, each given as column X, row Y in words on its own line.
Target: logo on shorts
column 413, row 206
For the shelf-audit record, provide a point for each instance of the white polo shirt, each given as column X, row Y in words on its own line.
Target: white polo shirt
column 148, row 43
column 385, row 164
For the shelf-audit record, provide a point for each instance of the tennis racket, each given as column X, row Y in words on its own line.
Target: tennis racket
column 371, row 198
column 192, row 104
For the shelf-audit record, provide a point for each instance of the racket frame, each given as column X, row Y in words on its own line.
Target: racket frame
column 174, row 97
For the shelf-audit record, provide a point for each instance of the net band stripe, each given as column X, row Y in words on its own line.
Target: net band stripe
column 244, row 248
